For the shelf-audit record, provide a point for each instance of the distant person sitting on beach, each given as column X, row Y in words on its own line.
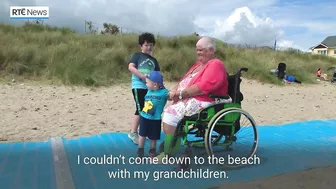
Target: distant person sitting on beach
column 289, row 78
column 320, row 75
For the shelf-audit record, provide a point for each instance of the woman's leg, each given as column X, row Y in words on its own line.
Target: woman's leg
column 170, row 118
column 169, row 131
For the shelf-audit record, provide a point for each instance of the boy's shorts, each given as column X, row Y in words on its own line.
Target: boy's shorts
column 150, row 128
column 139, row 98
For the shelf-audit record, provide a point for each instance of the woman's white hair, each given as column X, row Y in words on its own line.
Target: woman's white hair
column 208, row 42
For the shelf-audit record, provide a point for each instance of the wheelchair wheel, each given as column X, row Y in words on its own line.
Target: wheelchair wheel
column 236, row 138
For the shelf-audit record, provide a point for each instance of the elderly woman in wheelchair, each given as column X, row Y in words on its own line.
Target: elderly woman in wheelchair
column 206, row 101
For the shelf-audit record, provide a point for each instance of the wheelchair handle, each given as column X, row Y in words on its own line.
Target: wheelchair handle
column 237, row 76
column 244, row 69
column 241, row 70
column 238, row 73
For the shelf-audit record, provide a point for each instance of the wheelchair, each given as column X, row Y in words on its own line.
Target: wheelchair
column 217, row 128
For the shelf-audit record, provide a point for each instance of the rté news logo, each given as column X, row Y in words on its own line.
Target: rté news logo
column 29, row 12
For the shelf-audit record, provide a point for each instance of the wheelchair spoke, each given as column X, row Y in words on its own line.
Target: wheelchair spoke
column 230, row 132
column 244, row 141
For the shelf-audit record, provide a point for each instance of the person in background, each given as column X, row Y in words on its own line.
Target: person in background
column 319, row 74
column 289, row 79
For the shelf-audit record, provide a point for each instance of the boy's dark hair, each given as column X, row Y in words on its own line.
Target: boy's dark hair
column 149, row 37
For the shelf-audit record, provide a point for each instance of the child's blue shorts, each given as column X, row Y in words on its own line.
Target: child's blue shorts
column 150, row 128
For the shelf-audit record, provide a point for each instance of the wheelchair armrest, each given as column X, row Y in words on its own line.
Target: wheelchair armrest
column 226, row 97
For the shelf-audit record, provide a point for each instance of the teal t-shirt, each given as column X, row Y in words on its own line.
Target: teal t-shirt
column 155, row 101
column 145, row 64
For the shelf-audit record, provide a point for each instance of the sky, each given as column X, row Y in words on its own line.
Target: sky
column 293, row 23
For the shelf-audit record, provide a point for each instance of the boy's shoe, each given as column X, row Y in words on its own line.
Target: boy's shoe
column 152, row 153
column 134, row 137
column 140, row 152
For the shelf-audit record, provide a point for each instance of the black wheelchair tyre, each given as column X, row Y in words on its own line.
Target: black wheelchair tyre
column 211, row 127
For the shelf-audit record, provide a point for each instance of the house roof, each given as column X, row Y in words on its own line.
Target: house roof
column 330, row 41
column 317, row 46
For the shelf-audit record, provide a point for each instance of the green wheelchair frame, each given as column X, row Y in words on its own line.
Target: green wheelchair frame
column 223, row 117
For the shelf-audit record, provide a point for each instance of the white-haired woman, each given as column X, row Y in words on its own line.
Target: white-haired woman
column 207, row 76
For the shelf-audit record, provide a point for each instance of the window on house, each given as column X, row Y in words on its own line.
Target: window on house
column 334, row 51
column 324, row 52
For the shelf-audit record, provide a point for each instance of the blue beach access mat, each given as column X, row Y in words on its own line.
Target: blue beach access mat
column 60, row 163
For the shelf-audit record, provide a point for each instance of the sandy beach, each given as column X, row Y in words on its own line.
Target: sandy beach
column 35, row 112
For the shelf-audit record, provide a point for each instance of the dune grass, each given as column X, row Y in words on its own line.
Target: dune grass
column 59, row 54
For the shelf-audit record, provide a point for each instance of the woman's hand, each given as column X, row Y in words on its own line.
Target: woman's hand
column 173, row 95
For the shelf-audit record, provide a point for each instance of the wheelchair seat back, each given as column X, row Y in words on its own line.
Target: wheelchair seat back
column 231, row 120
column 228, row 121
column 234, row 92
column 234, row 89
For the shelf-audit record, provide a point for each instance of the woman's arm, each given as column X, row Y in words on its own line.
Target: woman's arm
column 213, row 77
column 191, row 91
column 175, row 88
column 188, row 72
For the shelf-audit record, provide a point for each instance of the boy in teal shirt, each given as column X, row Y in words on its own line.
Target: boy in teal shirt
column 150, row 116
column 140, row 65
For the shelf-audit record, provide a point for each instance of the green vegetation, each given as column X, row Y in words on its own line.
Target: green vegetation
column 45, row 53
